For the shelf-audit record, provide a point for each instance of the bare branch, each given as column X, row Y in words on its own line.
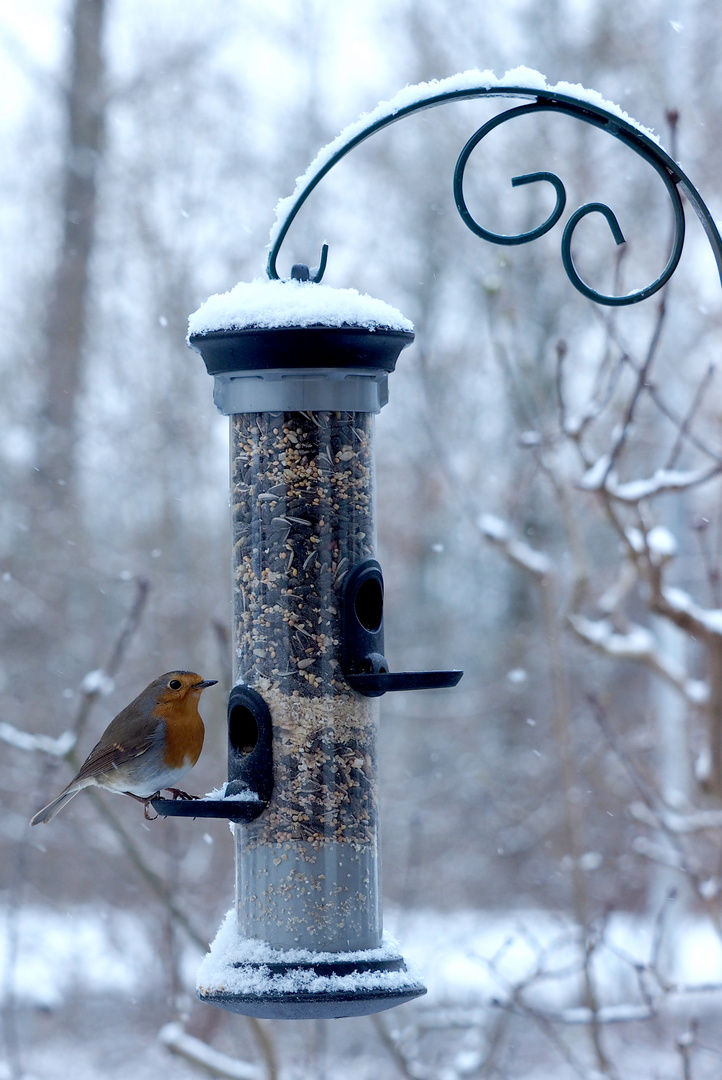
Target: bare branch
column 46, row 744
column 403, row 1062
column 178, row 1041
column 695, row 821
column 546, row 1026
column 687, row 422
column 152, row 880
column 685, row 1045
column 600, row 477
column 660, row 925
column 93, row 690
column 93, row 686
column 659, row 401
column 700, row 525
column 638, row 644
column 519, row 552
column 681, row 609
column 641, row 385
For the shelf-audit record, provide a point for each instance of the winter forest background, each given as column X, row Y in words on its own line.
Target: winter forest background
column 549, row 519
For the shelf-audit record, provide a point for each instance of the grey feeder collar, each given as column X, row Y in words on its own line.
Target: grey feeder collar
column 304, row 390
column 301, row 369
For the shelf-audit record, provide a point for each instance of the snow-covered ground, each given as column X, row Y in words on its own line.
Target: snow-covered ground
column 476, row 956
column 467, row 957
column 47, row 956
column 90, row 986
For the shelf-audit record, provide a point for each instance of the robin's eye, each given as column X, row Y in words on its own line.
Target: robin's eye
column 175, row 684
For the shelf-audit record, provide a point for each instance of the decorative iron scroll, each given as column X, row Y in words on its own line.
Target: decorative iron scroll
column 675, row 180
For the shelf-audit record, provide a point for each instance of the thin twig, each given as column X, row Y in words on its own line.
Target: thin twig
column 224, row 652
column 400, row 1059
column 203, row 1056
column 659, row 927
column 152, row 880
column 561, row 352
column 642, row 381
column 655, row 804
column 127, row 631
column 547, row 1028
column 700, row 526
column 645, row 789
column 657, row 398
column 684, row 427
column 686, row 1044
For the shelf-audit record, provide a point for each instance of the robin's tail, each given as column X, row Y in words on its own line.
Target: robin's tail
column 48, row 812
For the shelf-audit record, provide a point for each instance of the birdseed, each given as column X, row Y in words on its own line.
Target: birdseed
column 302, row 511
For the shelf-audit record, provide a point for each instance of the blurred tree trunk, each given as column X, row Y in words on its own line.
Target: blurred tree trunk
column 68, row 294
column 52, row 566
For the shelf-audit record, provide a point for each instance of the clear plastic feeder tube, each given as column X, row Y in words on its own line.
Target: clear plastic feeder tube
column 303, row 516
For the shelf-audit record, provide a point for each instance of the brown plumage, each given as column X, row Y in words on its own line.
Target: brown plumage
column 147, row 747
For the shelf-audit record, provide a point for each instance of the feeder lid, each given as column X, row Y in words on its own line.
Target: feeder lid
column 262, row 325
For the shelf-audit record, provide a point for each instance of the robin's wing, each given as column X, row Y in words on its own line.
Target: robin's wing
column 111, row 754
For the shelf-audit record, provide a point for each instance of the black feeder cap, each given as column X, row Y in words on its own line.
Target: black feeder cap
column 257, row 349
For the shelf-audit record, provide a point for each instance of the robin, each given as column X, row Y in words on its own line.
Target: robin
column 149, row 745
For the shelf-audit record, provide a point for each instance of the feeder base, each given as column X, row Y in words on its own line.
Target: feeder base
column 321, row 1006
column 248, row 976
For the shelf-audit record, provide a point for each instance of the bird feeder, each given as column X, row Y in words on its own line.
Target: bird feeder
column 301, row 369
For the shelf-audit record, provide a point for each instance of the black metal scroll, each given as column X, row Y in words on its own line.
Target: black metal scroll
column 675, row 180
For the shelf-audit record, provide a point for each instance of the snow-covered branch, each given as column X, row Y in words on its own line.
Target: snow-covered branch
column 638, row 644
column 704, row 621
column 178, row 1041
column 609, row 1014
column 600, row 477
column 46, row 744
column 658, row 544
column 673, row 821
column 499, row 532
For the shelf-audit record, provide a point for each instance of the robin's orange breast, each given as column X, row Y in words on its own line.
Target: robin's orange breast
column 184, row 734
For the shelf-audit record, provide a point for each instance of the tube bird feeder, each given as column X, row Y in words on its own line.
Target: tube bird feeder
column 301, row 369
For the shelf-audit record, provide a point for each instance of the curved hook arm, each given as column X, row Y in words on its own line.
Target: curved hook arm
column 640, row 294
column 548, row 100
column 522, row 238
column 517, row 181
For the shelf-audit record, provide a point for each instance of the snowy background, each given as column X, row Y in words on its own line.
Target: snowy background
column 548, row 508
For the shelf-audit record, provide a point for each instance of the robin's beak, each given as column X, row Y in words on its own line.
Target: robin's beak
column 204, row 684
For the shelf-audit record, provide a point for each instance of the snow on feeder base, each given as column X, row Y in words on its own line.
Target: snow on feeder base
column 247, row 976
column 301, row 369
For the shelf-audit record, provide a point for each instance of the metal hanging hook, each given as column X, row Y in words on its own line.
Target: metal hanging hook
column 575, row 218
column 547, row 100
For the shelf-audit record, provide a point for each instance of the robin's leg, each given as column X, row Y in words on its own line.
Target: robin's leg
column 178, row 794
column 146, row 802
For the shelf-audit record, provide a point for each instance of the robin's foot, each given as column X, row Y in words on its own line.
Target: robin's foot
column 178, row 794
column 146, row 803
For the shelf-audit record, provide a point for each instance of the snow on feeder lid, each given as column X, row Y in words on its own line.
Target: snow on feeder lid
column 298, row 346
